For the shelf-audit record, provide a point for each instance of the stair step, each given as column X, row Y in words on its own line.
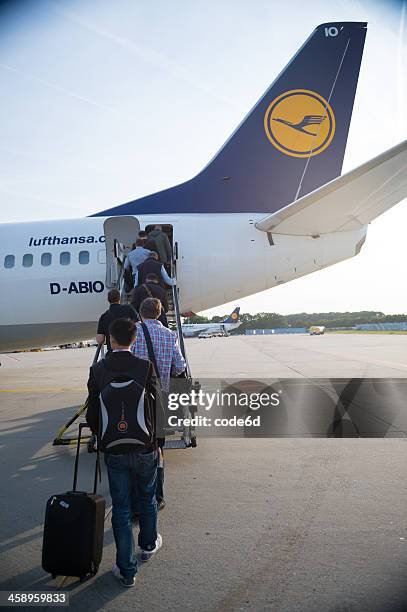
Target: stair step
column 176, row 444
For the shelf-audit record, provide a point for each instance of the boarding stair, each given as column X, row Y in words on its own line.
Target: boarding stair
column 183, row 437
column 176, row 437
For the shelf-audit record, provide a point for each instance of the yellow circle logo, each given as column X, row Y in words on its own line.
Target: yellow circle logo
column 300, row 123
column 234, row 315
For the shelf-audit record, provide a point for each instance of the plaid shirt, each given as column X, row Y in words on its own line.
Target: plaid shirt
column 167, row 352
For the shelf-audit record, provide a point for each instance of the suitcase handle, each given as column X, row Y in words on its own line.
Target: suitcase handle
column 97, row 465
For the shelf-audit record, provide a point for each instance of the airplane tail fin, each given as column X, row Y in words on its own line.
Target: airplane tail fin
column 233, row 317
column 294, row 139
column 292, row 142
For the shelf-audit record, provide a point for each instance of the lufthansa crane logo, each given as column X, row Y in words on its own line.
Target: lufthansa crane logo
column 300, row 123
column 234, row 316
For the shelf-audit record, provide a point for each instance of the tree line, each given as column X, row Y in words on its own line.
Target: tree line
column 270, row 320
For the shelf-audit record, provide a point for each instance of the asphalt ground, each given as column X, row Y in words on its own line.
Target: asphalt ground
column 251, row 524
column 300, row 355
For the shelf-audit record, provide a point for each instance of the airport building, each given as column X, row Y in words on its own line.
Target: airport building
column 399, row 326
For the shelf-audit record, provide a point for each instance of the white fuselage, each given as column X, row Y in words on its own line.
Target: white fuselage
column 221, row 258
column 194, row 329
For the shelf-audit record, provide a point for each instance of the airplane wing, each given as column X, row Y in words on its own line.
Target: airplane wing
column 348, row 202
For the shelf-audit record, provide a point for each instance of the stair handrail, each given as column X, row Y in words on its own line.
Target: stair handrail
column 175, row 291
column 99, row 349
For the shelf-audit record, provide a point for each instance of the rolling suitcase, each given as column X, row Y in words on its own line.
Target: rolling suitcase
column 73, row 529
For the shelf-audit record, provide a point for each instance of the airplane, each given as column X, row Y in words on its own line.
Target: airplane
column 270, row 207
column 192, row 330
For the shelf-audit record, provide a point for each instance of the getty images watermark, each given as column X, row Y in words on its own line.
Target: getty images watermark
column 283, row 407
column 206, row 401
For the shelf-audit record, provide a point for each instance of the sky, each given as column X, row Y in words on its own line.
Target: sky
column 103, row 102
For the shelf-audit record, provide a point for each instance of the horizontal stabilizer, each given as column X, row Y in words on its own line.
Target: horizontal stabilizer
column 348, row 202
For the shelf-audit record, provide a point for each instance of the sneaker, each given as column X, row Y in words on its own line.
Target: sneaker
column 126, row 582
column 147, row 554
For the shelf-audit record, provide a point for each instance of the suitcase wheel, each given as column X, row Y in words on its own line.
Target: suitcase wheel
column 91, row 444
column 53, row 576
column 94, row 570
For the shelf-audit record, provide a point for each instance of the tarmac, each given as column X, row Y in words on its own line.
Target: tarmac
column 301, row 355
column 287, row 525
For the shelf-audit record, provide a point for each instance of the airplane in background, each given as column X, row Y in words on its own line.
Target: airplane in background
column 193, row 330
column 273, row 192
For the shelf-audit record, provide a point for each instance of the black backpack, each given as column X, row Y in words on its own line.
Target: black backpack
column 127, row 416
column 128, row 280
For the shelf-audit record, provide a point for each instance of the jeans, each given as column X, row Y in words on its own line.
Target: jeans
column 159, row 487
column 159, row 490
column 125, row 472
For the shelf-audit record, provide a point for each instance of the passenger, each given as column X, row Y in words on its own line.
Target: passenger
column 163, row 244
column 167, row 358
column 142, row 235
column 151, row 288
column 115, row 311
column 131, row 463
column 152, row 266
column 151, row 246
column 136, row 257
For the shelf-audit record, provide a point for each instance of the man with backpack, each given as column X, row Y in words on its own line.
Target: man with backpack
column 115, row 311
column 125, row 411
column 136, row 256
column 160, row 345
column 152, row 266
column 151, row 288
